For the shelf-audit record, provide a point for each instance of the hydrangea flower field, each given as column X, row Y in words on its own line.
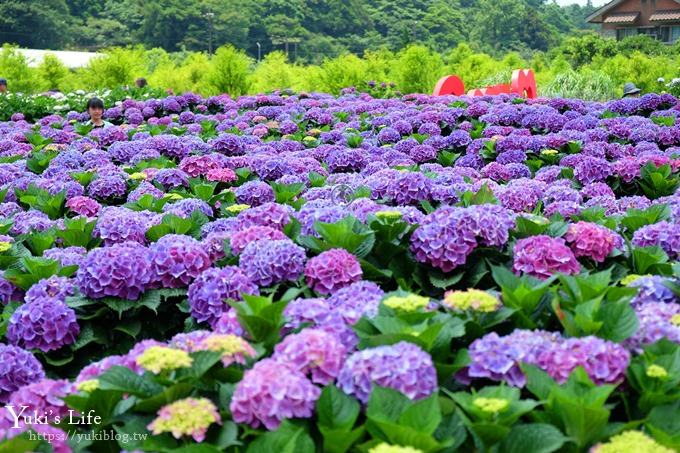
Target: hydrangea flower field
column 308, row 273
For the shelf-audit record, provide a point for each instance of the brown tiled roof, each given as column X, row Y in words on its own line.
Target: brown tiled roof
column 621, row 18
column 598, row 15
column 665, row 15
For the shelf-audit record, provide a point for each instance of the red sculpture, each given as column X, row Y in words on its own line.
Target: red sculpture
column 523, row 84
column 450, row 84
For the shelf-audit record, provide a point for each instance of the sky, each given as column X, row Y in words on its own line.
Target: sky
column 581, row 2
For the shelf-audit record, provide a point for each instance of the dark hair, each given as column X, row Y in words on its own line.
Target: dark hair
column 3, row 82
column 141, row 82
column 95, row 103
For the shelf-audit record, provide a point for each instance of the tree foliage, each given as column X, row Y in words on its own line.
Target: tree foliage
column 308, row 30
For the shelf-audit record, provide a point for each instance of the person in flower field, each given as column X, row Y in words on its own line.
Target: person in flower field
column 95, row 108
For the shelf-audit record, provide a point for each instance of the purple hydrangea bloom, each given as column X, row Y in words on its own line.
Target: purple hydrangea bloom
column 25, row 222
column 269, row 262
column 255, row 193
column 240, row 239
column 356, row 300
column 208, row 293
column 656, row 322
column 332, row 270
column 177, row 260
column 118, row 224
column 58, row 288
column 171, row 178
column 652, row 289
column 8, row 291
column 108, row 187
column 18, row 367
column 186, row 207
column 271, row 392
column 318, row 313
column 269, row 214
column 68, row 256
column 403, row 367
column 604, row 361
column 409, row 188
column 227, row 144
column 498, row 358
column 122, row 270
column 663, row 234
column 447, row 236
column 312, row 351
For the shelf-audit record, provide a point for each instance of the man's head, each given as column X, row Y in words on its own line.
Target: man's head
column 3, row 85
column 95, row 108
column 141, row 82
column 630, row 90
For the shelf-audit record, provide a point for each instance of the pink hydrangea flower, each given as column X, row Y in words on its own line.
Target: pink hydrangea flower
column 541, row 256
column 332, row 270
column 591, row 240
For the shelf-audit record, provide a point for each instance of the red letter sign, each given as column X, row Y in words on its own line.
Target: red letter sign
column 449, row 85
column 524, row 83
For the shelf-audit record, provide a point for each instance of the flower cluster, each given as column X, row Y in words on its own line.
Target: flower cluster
column 187, row 417
column 403, row 367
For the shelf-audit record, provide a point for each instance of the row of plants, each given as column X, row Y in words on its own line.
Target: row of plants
column 319, row 273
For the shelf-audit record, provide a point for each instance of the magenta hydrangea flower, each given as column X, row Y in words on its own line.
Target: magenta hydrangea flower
column 313, row 351
column 96, row 369
column 18, row 367
column 590, row 240
column 225, row 175
column 89, row 207
column 604, row 361
column 240, row 239
column 208, row 293
column 332, row 270
column 403, row 367
column 122, row 270
column 269, row 262
column 45, row 397
column 177, row 260
column 45, row 323
column 270, row 392
column 541, row 256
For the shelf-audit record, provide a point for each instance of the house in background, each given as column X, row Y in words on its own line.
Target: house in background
column 659, row 19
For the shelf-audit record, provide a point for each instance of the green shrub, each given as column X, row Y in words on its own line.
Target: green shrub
column 586, row 84
column 418, row 69
column 341, row 72
column 118, row 66
column 14, row 68
column 228, row 72
column 53, row 73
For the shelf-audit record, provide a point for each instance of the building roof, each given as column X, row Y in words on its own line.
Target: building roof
column 661, row 16
column 70, row 59
column 621, row 18
column 597, row 16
